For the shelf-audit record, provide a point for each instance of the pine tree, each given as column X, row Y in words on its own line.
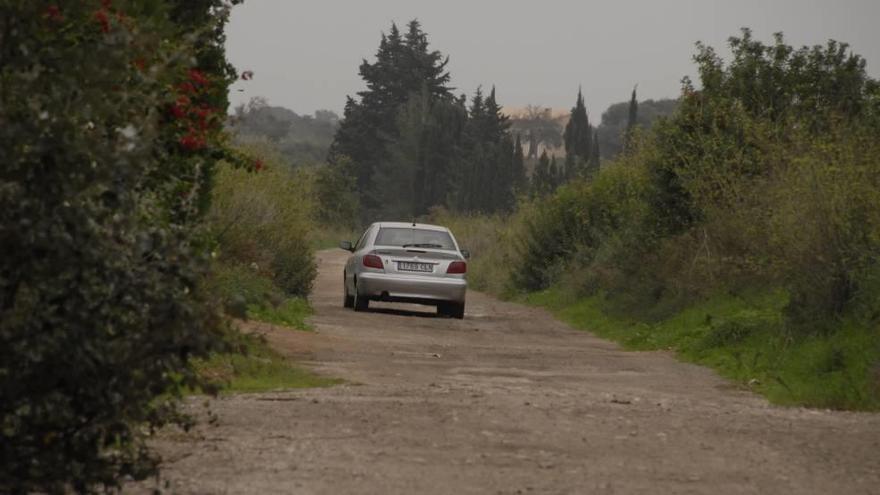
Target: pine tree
column 404, row 65
column 416, row 175
column 485, row 159
column 578, row 138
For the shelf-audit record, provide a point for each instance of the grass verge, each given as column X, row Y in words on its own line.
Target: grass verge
column 291, row 313
column 744, row 339
column 258, row 369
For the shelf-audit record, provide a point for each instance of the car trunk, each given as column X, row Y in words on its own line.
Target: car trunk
column 424, row 262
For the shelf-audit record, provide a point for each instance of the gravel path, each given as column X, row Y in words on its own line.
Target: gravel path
column 508, row 401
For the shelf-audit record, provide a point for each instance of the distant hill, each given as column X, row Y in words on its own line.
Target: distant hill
column 301, row 139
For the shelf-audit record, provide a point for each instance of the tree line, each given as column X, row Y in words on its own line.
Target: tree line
column 410, row 143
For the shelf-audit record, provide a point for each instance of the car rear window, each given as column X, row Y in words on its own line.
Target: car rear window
column 413, row 237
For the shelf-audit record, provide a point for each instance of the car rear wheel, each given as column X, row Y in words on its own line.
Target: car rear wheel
column 347, row 300
column 361, row 303
column 452, row 310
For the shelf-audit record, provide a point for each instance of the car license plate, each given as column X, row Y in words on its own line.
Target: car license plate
column 408, row 266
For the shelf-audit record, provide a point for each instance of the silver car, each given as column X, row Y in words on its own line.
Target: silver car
column 406, row 262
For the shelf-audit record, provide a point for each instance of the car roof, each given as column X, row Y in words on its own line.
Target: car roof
column 411, row 225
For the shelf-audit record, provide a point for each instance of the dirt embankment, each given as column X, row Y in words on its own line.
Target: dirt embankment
column 507, row 401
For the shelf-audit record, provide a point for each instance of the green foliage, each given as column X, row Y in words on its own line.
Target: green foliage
column 544, row 180
column 615, row 128
column 419, row 171
column 264, row 220
column 745, row 186
column 240, row 287
column 335, row 195
column 102, row 183
column 290, row 313
column 578, row 138
column 485, row 176
column 257, row 368
column 488, row 238
column 404, row 66
column 249, row 295
column 412, row 145
column 744, row 339
column 300, row 139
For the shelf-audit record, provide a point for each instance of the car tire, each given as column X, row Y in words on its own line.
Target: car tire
column 360, row 303
column 450, row 309
column 456, row 311
column 347, row 300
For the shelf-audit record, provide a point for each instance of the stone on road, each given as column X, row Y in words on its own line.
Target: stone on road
column 506, row 401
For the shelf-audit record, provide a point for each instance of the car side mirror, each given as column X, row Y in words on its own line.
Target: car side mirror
column 466, row 254
column 346, row 245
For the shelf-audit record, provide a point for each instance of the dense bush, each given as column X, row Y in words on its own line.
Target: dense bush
column 767, row 174
column 108, row 132
column 263, row 221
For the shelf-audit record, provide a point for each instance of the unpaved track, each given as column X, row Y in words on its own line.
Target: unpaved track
column 507, row 401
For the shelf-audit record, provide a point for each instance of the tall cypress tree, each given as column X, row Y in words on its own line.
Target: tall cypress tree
column 578, row 137
column 543, row 179
column 556, row 175
column 632, row 121
column 520, row 179
column 594, row 155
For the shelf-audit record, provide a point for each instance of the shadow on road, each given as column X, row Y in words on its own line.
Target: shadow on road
column 404, row 312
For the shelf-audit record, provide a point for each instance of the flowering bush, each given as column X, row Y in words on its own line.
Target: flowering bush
column 110, row 123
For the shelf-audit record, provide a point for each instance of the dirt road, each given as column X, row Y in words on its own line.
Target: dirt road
column 507, row 401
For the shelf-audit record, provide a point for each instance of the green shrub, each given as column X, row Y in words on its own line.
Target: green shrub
column 289, row 313
column 736, row 328
column 490, row 240
column 257, row 368
column 264, row 220
column 103, row 174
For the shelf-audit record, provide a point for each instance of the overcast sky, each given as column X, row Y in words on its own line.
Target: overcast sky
column 305, row 54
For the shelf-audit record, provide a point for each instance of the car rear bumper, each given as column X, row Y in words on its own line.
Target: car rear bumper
column 405, row 288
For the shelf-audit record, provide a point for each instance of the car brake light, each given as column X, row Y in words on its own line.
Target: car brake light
column 373, row 261
column 457, row 267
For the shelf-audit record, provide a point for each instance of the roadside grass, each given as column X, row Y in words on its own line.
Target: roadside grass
column 744, row 338
column 254, row 366
column 291, row 313
column 258, row 368
column 329, row 237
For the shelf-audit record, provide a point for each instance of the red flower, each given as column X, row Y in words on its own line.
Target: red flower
column 178, row 111
column 186, row 87
column 53, row 13
column 198, row 77
column 258, row 165
column 103, row 19
column 192, row 142
column 140, row 64
column 203, row 112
